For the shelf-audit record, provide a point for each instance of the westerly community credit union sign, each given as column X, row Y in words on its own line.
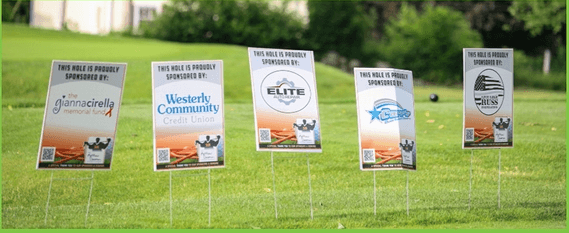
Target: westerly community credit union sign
column 188, row 115
column 488, row 98
column 285, row 100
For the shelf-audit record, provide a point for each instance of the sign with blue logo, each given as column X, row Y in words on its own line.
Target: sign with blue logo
column 188, row 115
column 386, row 120
column 488, row 98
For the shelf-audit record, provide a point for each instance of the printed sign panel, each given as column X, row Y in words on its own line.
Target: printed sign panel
column 488, row 98
column 188, row 115
column 285, row 100
column 81, row 112
column 386, row 119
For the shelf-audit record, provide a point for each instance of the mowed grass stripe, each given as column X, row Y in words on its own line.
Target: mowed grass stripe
column 133, row 196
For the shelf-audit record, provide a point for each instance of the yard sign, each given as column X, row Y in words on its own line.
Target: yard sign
column 81, row 112
column 386, row 119
column 188, row 115
column 285, row 101
column 488, row 98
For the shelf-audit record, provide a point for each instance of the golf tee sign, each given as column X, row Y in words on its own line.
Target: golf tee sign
column 81, row 113
column 488, row 98
column 188, row 115
column 285, row 100
column 386, row 119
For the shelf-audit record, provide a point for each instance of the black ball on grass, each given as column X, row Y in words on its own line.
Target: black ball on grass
column 434, row 97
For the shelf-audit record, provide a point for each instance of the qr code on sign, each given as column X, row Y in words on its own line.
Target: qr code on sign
column 48, row 154
column 163, row 155
column 265, row 135
column 369, row 155
column 469, row 134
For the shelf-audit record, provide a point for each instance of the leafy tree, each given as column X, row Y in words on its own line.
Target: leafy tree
column 338, row 26
column 16, row 11
column 540, row 15
column 430, row 44
column 250, row 23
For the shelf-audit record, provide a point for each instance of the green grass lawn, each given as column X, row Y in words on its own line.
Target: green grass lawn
column 132, row 195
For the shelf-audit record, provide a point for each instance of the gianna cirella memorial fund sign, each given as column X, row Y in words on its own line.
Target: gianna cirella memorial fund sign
column 488, row 98
column 188, row 115
column 81, row 112
column 386, row 119
column 285, row 100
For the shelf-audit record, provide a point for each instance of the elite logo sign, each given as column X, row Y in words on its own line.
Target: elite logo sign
column 388, row 110
column 285, row 101
column 488, row 92
column 280, row 89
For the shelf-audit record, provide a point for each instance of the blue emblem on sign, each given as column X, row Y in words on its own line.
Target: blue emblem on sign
column 387, row 110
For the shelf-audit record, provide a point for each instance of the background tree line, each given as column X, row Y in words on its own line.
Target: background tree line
column 425, row 37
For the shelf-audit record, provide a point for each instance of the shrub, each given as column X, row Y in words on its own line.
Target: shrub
column 528, row 71
column 430, row 44
column 249, row 23
column 338, row 26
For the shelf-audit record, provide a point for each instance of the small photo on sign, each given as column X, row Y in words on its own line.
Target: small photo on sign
column 207, row 147
column 95, row 149
column 501, row 126
column 407, row 148
column 304, row 131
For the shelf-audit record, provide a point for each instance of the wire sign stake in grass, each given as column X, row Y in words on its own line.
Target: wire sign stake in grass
column 386, row 122
column 208, row 188
column 88, row 200
column 80, row 119
column 488, row 102
column 285, row 104
column 189, row 128
column 309, row 183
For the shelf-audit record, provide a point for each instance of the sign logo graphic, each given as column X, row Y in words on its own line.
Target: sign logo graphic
column 388, row 110
column 488, row 92
column 285, row 91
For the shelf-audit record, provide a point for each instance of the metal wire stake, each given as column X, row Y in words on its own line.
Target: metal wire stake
column 274, row 186
column 209, row 187
column 470, row 190
column 170, row 198
column 499, row 168
column 407, row 193
column 374, row 196
column 90, row 192
column 48, row 196
column 309, row 187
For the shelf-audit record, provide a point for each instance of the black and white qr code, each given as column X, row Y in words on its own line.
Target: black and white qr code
column 469, row 134
column 369, row 155
column 163, row 155
column 265, row 135
column 48, row 154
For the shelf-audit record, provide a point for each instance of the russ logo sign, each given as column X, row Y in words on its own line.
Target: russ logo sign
column 488, row 92
column 285, row 91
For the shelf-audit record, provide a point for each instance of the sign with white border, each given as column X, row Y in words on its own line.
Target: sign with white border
column 488, row 109
column 386, row 119
column 188, row 114
column 285, row 100
column 81, row 115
